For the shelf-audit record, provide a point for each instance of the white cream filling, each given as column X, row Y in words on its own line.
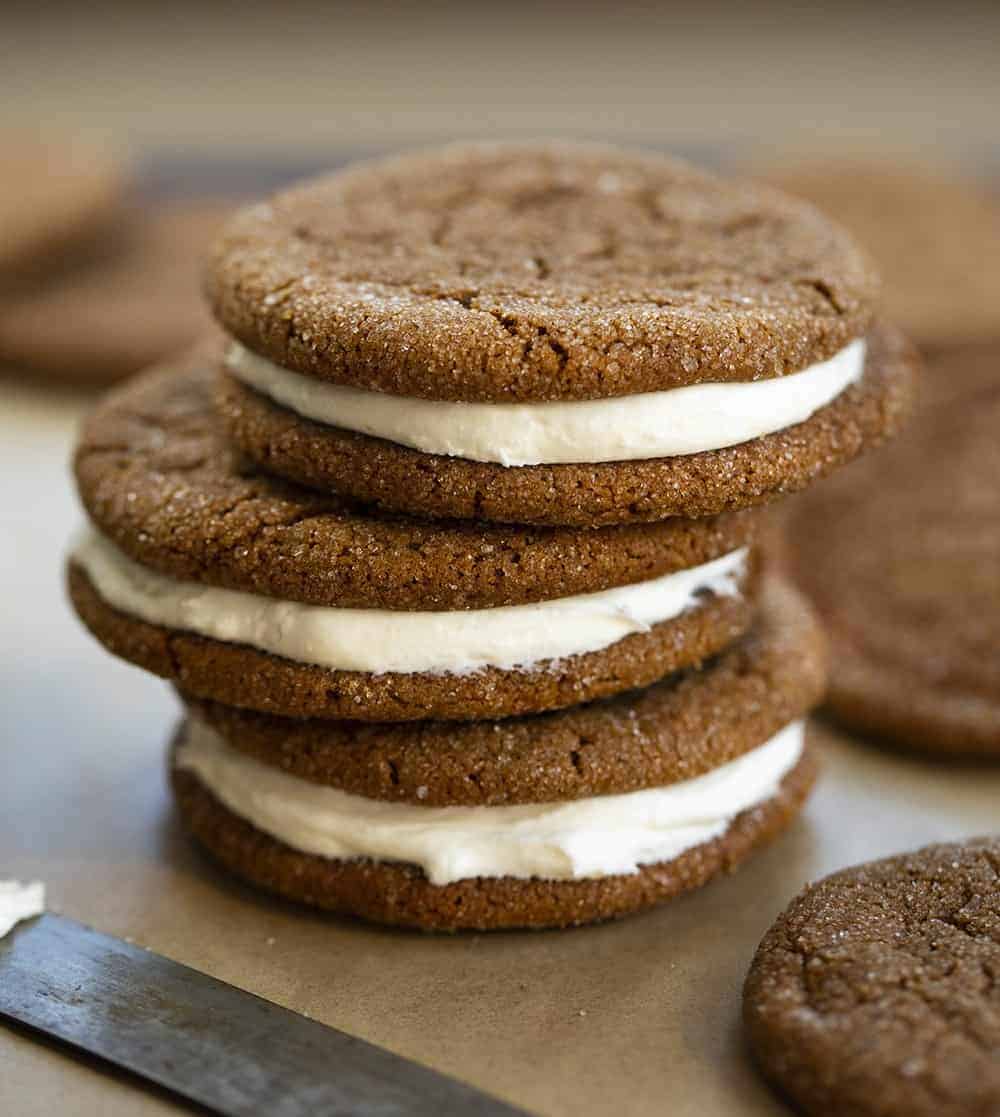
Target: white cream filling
column 19, row 901
column 383, row 640
column 664, row 424
column 601, row 836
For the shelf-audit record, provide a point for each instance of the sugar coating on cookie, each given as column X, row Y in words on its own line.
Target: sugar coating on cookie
column 519, row 273
column 876, row 991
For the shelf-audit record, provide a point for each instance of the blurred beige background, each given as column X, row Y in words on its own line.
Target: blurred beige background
column 297, row 76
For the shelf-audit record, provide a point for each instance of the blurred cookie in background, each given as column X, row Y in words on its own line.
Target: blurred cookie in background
column 934, row 235
column 902, row 558
column 57, row 195
column 133, row 298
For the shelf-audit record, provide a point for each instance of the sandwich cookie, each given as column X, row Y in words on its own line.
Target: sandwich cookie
column 255, row 593
column 554, row 334
column 564, row 818
column 876, row 993
column 902, row 559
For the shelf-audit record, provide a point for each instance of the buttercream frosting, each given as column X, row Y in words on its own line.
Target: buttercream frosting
column 685, row 420
column 382, row 640
column 600, row 836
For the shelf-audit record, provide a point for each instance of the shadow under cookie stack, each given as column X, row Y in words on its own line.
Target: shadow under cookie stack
column 451, row 548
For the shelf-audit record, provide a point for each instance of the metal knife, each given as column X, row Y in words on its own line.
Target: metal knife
column 207, row 1041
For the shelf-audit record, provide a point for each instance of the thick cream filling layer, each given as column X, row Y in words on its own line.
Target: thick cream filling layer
column 664, row 424
column 382, row 640
column 602, row 836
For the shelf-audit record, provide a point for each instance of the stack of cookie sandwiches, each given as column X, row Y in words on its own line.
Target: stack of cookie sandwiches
column 452, row 552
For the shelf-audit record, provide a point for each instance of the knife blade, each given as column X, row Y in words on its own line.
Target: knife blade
column 207, row 1041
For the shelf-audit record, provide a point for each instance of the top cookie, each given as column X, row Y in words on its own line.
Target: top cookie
column 537, row 272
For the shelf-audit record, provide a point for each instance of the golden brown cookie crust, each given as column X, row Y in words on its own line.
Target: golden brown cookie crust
column 902, row 558
column 158, row 477
column 397, row 478
column 400, row 895
column 876, row 992
column 537, row 272
column 675, row 730
column 237, row 675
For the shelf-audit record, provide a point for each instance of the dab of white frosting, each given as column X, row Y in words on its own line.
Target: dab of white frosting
column 382, row 640
column 685, row 420
column 19, row 901
column 601, row 836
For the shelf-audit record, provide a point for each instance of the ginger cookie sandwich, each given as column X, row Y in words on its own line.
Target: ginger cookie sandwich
column 256, row 593
column 552, row 334
column 558, row 819
column 903, row 563
column 876, row 995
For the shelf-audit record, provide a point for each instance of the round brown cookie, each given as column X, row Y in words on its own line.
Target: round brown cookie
column 675, row 730
column 238, row 675
column 876, row 992
column 902, row 558
column 131, row 302
column 158, row 477
column 934, row 235
column 56, row 195
column 557, row 271
column 397, row 478
column 400, row 894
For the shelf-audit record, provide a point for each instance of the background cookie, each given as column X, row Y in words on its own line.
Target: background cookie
column 902, row 558
column 935, row 237
column 537, row 272
column 129, row 301
column 57, row 195
column 876, row 991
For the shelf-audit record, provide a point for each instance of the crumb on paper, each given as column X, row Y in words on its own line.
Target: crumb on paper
column 19, row 901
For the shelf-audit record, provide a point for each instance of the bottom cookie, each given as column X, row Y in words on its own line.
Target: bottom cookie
column 401, row 895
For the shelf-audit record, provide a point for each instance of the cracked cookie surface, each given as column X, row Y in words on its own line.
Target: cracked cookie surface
column 878, row 991
column 525, row 272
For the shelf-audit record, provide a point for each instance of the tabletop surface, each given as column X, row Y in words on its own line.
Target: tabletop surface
column 617, row 1018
